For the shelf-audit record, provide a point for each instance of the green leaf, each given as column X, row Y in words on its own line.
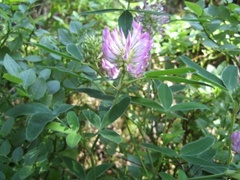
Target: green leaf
column 45, row 74
column 147, row 103
column 38, row 88
column 209, row 43
column 53, row 86
column 184, row 70
column 65, row 37
column 165, row 95
column 186, row 106
column 17, row 154
column 223, row 12
column 194, row 7
column 31, row 156
column 182, row 175
column 75, row 27
column 61, row 108
column 125, row 22
column 56, row 126
column 5, row 148
column 74, row 51
column 73, row 139
column 166, row 176
column 111, row 135
column 207, row 76
column 2, row 175
column 36, row 123
column 93, row 118
column 96, row 94
column 56, row 52
column 202, row 162
column 115, row 111
column 75, row 167
column 163, row 150
column 176, row 79
column 28, row 77
column 197, row 147
column 23, row 173
column 28, row 109
column 73, row 121
column 12, row 78
column 33, row 58
column 63, row 71
column 11, row 66
column 16, row 43
column 230, row 77
column 233, row 174
column 22, row 92
column 7, row 127
column 98, row 170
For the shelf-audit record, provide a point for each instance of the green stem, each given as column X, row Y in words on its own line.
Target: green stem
column 119, row 88
column 92, row 159
column 135, row 149
column 233, row 119
column 148, row 154
column 96, row 68
column 95, row 142
column 128, row 4
column 134, row 80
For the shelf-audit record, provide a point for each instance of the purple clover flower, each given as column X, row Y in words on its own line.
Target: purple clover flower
column 235, row 138
column 129, row 54
column 152, row 22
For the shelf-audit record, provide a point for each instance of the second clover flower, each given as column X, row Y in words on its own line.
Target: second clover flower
column 131, row 54
column 235, row 138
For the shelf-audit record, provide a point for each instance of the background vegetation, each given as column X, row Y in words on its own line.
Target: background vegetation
column 63, row 118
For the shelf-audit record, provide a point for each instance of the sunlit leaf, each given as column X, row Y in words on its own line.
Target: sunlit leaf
column 165, row 95
column 197, row 147
column 186, row 106
column 194, row 7
column 111, row 135
column 207, row 76
column 230, row 77
column 12, row 78
column 11, row 66
column 73, row 121
column 73, row 139
column 93, row 118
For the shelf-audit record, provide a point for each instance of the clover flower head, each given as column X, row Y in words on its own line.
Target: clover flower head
column 152, row 22
column 235, row 138
column 129, row 54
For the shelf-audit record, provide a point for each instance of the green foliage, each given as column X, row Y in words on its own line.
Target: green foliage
column 62, row 117
column 125, row 22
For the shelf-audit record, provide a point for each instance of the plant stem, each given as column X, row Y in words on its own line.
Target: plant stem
column 95, row 142
column 233, row 119
column 135, row 149
column 119, row 88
